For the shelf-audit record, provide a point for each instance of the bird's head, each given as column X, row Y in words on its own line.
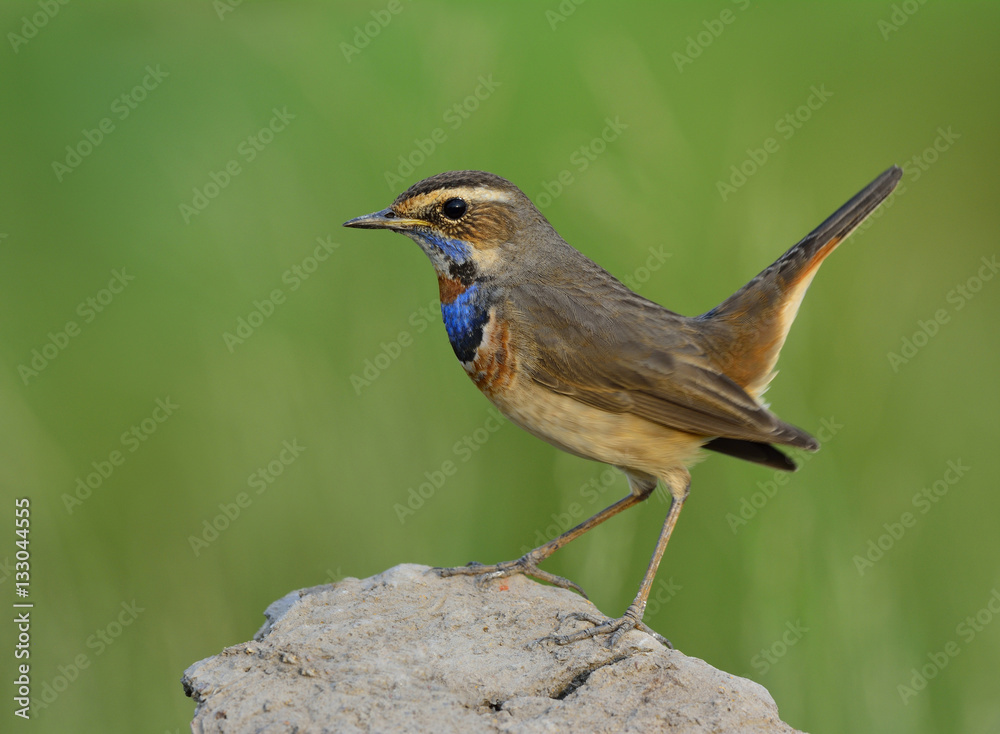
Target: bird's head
column 468, row 222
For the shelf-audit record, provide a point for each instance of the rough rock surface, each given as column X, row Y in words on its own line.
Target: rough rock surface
column 408, row 651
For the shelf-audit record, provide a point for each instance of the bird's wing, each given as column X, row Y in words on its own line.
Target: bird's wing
column 640, row 359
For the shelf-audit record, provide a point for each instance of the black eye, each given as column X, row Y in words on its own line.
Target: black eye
column 454, row 208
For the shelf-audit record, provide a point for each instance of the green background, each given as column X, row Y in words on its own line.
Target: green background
column 554, row 80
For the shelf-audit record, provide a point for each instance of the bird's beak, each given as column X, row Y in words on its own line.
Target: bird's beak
column 385, row 219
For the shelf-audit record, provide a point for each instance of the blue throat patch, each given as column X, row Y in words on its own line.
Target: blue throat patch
column 455, row 249
column 464, row 320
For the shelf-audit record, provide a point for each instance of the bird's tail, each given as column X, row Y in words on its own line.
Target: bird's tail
column 748, row 329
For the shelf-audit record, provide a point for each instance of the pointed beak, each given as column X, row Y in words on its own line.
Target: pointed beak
column 385, row 219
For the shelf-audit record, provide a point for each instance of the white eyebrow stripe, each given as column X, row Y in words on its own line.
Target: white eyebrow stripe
column 476, row 193
column 469, row 193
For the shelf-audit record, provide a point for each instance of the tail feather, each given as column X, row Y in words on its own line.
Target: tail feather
column 750, row 326
column 759, row 453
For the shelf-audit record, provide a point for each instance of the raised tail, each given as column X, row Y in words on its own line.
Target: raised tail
column 749, row 328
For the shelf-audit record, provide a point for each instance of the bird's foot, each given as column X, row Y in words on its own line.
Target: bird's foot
column 616, row 628
column 525, row 565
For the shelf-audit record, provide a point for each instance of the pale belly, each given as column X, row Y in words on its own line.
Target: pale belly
column 619, row 439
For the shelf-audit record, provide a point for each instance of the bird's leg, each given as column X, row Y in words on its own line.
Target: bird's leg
column 641, row 486
column 679, row 483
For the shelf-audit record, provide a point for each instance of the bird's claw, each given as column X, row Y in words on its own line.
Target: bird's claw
column 616, row 628
column 524, row 566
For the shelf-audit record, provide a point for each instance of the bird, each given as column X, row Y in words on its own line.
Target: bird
column 570, row 354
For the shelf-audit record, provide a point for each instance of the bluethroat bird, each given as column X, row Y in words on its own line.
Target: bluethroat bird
column 571, row 355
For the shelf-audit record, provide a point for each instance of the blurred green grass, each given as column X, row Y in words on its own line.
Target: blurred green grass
column 332, row 511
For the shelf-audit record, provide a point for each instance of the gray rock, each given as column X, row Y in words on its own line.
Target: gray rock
column 408, row 651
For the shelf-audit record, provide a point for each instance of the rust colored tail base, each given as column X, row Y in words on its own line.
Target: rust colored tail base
column 750, row 326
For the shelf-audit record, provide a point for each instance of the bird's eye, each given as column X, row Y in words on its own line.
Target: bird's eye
column 454, row 208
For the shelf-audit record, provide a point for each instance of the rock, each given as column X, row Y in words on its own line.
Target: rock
column 408, row 651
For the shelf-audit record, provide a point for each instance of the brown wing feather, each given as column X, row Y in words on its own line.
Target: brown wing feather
column 648, row 363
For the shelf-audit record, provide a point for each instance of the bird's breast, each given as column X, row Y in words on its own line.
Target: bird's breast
column 480, row 337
